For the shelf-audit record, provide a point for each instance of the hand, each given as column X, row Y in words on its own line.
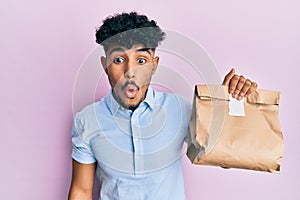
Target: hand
column 238, row 86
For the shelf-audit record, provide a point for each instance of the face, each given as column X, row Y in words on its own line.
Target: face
column 129, row 72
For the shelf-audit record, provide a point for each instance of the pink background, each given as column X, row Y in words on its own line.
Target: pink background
column 43, row 45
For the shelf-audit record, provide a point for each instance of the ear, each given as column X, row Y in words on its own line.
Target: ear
column 103, row 62
column 155, row 64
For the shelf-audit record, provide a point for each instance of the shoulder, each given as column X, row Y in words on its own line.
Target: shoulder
column 87, row 115
column 86, row 111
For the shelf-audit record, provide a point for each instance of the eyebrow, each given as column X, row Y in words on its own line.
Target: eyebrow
column 144, row 49
column 116, row 49
column 123, row 50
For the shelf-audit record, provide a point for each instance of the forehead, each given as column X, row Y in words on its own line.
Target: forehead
column 134, row 49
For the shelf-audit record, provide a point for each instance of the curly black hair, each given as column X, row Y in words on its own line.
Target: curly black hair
column 128, row 29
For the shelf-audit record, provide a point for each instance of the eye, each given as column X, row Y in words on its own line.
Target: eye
column 118, row 60
column 141, row 60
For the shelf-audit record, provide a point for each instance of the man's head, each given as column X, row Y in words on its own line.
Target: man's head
column 129, row 42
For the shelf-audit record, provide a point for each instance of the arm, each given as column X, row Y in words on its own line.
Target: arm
column 82, row 181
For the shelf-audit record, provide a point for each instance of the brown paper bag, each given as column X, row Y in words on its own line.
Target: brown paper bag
column 220, row 138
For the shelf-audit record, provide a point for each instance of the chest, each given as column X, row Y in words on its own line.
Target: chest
column 140, row 141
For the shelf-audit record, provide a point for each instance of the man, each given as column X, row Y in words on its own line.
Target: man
column 133, row 137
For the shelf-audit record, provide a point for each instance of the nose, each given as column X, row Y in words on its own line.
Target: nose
column 130, row 72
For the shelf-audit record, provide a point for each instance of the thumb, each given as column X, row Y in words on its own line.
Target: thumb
column 228, row 77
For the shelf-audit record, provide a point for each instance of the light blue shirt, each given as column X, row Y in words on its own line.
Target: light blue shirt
column 137, row 153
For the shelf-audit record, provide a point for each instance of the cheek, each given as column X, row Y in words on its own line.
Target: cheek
column 144, row 73
column 114, row 76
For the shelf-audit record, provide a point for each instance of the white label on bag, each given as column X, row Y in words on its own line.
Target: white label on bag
column 236, row 107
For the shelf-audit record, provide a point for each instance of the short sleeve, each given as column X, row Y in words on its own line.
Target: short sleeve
column 81, row 152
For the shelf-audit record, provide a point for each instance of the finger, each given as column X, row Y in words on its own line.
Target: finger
column 240, row 84
column 233, row 83
column 252, row 88
column 228, row 77
column 245, row 89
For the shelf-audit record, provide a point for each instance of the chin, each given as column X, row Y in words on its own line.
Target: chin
column 134, row 104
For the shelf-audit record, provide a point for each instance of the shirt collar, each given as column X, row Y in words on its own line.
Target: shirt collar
column 150, row 97
column 114, row 106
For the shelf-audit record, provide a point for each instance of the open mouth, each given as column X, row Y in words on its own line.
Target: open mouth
column 130, row 89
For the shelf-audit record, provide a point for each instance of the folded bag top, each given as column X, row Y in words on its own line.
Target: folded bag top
column 259, row 96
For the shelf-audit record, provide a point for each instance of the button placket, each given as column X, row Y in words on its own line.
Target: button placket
column 137, row 143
